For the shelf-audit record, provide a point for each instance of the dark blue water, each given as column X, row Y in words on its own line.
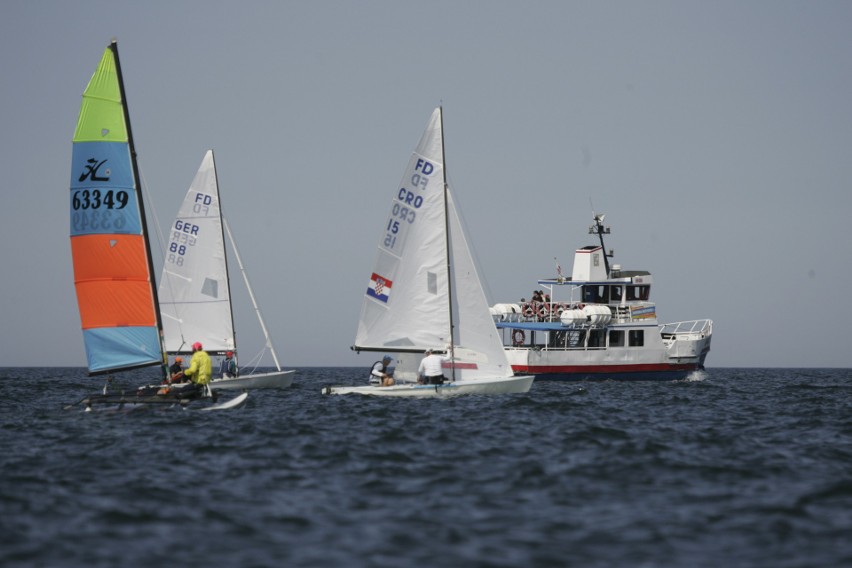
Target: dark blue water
column 738, row 467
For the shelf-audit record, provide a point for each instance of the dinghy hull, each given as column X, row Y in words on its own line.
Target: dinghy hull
column 274, row 380
column 503, row 385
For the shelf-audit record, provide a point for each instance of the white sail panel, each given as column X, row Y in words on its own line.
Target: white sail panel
column 194, row 293
column 478, row 349
column 405, row 303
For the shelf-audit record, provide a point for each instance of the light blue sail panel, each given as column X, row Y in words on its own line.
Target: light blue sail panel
column 103, row 198
column 121, row 347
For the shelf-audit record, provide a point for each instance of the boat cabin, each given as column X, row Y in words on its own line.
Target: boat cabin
column 597, row 307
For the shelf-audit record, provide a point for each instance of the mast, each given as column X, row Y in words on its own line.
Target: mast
column 164, row 363
column 447, row 245
column 599, row 230
column 227, row 270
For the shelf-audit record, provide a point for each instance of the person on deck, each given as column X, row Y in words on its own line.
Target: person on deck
column 379, row 376
column 228, row 368
column 430, row 370
column 200, row 367
column 176, row 371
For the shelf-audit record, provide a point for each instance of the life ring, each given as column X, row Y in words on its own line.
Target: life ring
column 528, row 310
column 543, row 310
column 518, row 337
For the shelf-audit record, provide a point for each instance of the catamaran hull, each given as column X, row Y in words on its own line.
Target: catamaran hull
column 130, row 403
column 503, row 385
column 236, row 402
column 276, row 380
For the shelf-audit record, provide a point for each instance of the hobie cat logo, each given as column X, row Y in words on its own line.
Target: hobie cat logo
column 92, row 171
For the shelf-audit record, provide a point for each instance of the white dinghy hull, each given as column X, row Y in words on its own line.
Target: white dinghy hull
column 501, row 385
column 274, row 380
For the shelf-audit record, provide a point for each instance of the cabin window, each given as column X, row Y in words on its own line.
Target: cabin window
column 636, row 337
column 597, row 338
column 576, row 338
column 638, row 293
column 557, row 339
column 616, row 293
column 595, row 294
column 616, row 338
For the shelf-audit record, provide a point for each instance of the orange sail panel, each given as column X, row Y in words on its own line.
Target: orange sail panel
column 111, row 275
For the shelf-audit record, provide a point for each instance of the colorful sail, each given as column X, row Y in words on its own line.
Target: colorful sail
column 195, row 298
column 112, row 266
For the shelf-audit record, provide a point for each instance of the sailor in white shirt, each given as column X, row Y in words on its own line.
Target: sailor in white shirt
column 430, row 370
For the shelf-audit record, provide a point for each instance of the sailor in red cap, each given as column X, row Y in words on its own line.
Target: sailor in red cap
column 200, row 368
column 228, row 368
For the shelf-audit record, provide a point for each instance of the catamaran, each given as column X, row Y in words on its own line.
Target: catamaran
column 111, row 253
column 195, row 290
column 602, row 325
column 425, row 293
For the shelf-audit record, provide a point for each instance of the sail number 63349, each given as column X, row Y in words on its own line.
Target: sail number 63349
column 95, row 198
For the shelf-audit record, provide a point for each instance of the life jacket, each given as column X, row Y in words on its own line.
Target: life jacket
column 374, row 378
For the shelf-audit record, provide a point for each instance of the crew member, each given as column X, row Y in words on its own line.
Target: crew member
column 176, row 371
column 228, row 367
column 200, row 367
column 379, row 375
column 430, row 370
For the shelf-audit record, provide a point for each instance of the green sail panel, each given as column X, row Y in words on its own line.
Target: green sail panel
column 102, row 113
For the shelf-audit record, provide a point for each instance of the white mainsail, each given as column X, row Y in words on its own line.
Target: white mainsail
column 194, row 292
column 405, row 305
column 425, row 291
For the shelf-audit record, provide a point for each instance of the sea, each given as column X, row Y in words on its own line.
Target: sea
column 730, row 467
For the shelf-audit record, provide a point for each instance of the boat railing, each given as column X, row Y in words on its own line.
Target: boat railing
column 532, row 311
column 621, row 313
column 687, row 329
column 551, row 311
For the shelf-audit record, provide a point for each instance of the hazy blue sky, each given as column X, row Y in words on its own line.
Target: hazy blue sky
column 716, row 137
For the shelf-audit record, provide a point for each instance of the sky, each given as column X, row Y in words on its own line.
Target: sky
column 715, row 136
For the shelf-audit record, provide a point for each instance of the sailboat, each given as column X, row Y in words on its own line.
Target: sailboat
column 111, row 253
column 195, row 290
column 425, row 293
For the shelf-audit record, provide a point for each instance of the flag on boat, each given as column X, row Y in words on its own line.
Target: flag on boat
column 379, row 288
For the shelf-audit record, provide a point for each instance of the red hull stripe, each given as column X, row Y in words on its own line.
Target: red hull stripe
column 581, row 369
